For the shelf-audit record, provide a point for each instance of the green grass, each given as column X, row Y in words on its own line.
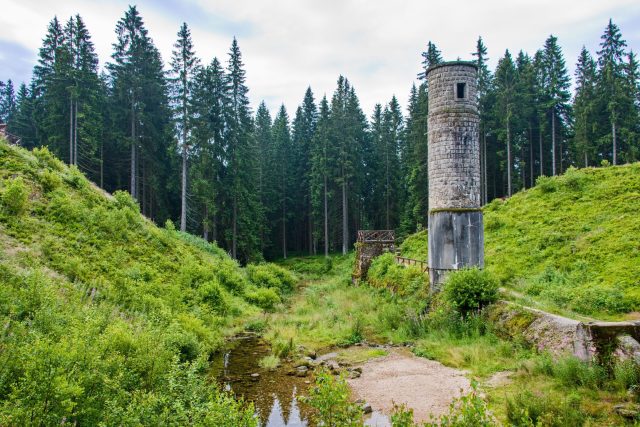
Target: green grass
column 331, row 311
column 571, row 244
column 106, row 317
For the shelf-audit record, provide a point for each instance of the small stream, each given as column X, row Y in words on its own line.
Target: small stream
column 274, row 393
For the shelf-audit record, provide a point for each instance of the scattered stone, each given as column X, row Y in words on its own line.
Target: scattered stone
column 367, row 409
column 302, row 363
column 628, row 410
column 302, row 371
column 354, row 374
column 255, row 375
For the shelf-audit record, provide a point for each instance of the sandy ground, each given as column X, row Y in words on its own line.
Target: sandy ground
column 426, row 386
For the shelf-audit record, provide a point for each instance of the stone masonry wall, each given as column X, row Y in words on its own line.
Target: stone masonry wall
column 454, row 151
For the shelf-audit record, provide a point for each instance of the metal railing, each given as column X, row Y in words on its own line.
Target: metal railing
column 424, row 266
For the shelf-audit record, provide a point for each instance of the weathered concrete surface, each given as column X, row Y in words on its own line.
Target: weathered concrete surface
column 456, row 240
column 561, row 336
column 558, row 335
column 455, row 219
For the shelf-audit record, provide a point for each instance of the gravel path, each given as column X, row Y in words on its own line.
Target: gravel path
column 426, row 386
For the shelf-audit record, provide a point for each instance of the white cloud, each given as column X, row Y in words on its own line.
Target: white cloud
column 289, row 45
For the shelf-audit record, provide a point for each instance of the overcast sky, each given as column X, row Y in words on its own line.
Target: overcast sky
column 289, row 45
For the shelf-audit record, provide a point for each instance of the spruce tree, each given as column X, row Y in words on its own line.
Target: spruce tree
column 21, row 122
column 142, row 116
column 184, row 65
column 7, row 102
column 241, row 157
column 584, row 106
column 505, row 88
column 209, row 104
column 321, row 158
column 264, row 141
column 431, row 56
column 283, row 156
column 557, row 95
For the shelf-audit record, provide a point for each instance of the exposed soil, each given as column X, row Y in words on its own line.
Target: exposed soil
column 426, row 386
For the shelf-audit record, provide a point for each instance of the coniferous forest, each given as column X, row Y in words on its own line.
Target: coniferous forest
column 184, row 140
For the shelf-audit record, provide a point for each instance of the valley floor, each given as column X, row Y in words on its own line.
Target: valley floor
column 327, row 313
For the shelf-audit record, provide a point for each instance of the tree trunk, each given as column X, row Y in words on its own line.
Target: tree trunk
column 183, row 209
column 75, row 133
column 345, row 217
column 586, row 160
column 205, row 224
column 540, row 146
column 387, row 186
column 531, row 180
column 613, row 133
column 70, row 130
column 284, row 216
column 508, row 157
column 312, row 250
column 553, row 142
column 102, row 164
column 234, row 227
column 486, row 187
column 133, row 151
column 326, row 220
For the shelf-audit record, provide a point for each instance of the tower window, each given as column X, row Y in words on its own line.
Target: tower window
column 460, row 89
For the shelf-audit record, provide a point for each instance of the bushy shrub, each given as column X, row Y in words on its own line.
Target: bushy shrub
column 213, row 296
column 15, row 196
column 626, row 374
column 529, row 410
column 123, row 200
column 269, row 362
column 384, row 273
column 470, row 410
column 330, row 398
column 546, row 184
column 50, row 180
column 265, row 298
column 230, row 276
column 573, row 179
column 185, row 343
column 573, row 372
column 271, row 276
column 47, row 159
column 75, row 178
column 470, row 290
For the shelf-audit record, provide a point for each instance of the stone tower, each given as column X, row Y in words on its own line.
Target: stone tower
column 456, row 235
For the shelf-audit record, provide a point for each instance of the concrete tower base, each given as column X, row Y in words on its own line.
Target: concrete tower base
column 456, row 240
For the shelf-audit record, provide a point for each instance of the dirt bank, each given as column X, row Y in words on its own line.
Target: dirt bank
column 426, row 386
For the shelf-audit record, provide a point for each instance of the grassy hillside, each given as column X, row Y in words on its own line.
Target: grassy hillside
column 571, row 243
column 104, row 317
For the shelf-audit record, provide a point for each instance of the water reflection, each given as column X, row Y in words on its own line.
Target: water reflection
column 273, row 393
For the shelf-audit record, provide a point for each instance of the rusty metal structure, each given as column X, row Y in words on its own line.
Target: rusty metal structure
column 8, row 136
column 387, row 237
column 423, row 265
column 370, row 244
